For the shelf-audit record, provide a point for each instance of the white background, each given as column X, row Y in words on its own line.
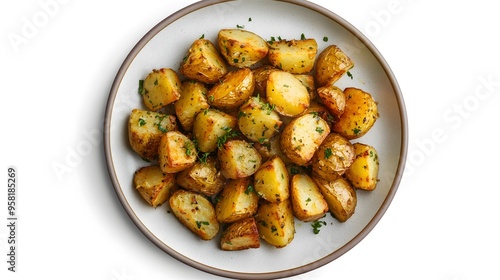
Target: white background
column 55, row 78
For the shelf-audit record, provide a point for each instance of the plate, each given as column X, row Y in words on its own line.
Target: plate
column 166, row 44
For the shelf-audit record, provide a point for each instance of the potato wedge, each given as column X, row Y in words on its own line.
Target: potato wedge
column 289, row 96
column 192, row 101
column 331, row 65
column 302, row 136
column 202, row 177
column 359, row 115
column 308, row 203
column 153, row 184
column 333, row 157
column 195, row 212
column 203, row 63
column 238, row 159
column 340, row 196
column 294, row 56
column 160, row 88
column 271, row 181
column 176, row 152
column 363, row 172
column 240, row 235
column 209, row 125
column 145, row 129
column 237, row 201
column 241, row 48
column 257, row 120
column 275, row 223
column 333, row 98
column 232, row 90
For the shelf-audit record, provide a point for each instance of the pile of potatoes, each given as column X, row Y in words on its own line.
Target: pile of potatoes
column 249, row 135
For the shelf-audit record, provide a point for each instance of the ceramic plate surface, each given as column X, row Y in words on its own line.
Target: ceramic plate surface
column 167, row 43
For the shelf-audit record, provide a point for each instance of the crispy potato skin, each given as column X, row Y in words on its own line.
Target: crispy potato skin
column 289, row 96
column 240, row 235
column 333, row 98
column 275, row 223
column 145, row 129
column 257, row 120
column 160, row 88
column 241, row 48
column 333, row 157
column 359, row 115
column 271, row 181
column 261, row 75
column 308, row 203
column 195, row 212
column 203, row 177
column 340, row 196
column 203, row 63
column 331, row 65
column 193, row 100
column 237, row 201
column 238, row 159
column 209, row 125
column 363, row 172
column 176, row 152
column 153, row 184
column 293, row 56
column 232, row 90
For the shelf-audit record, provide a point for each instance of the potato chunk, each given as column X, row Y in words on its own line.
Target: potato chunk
column 202, row 177
column 289, row 96
column 363, row 172
column 203, row 62
column 294, row 56
column 176, row 152
column 236, row 201
column 196, row 212
column 271, row 180
column 340, row 196
column 160, row 88
column 275, row 223
column 232, row 90
column 333, row 98
column 257, row 120
column 333, row 158
column 240, row 235
column 241, row 48
column 308, row 203
column 192, row 101
column 209, row 126
column 238, row 159
column 145, row 129
column 331, row 65
column 153, row 184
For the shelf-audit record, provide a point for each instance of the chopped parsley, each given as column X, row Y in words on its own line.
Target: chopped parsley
column 141, row 87
column 328, row 153
column 240, row 26
column 356, row 131
column 349, row 75
column 229, row 133
column 199, row 223
column 316, row 225
column 319, row 130
column 158, row 124
column 142, row 122
column 249, row 189
column 302, row 37
column 325, row 39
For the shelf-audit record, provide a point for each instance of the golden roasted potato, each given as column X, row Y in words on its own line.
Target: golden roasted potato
column 270, row 149
column 240, row 235
column 359, row 115
column 333, row 98
column 271, row 181
column 238, row 159
column 340, row 196
column 275, row 223
column 160, row 88
column 308, row 203
column 232, row 90
column 145, row 129
column 203, row 63
column 237, row 201
column 302, row 136
column 294, row 56
column 333, row 157
column 176, row 152
column 257, row 120
column 196, row 212
column 241, row 48
column 210, row 125
column 192, row 101
column 331, row 64
column 153, row 184
column 308, row 81
column 363, row 172
column 202, row 177
column 289, row 96
column 261, row 75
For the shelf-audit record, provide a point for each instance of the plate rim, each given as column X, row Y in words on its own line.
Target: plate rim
column 261, row 275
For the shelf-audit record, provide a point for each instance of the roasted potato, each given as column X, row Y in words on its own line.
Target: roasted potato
column 308, row 81
column 196, row 212
column 275, row 223
column 333, row 157
column 363, row 172
column 240, row 235
column 308, row 203
column 261, row 75
column 294, row 56
column 176, row 152
column 237, row 201
column 257, row 120
column 238, row 159
column 359, row 115
column 340, row 196
column 192, row 101
column 289, row 96
column 241, row 48
column 232, row 90
column 160, row 88
column 145, row 129
column 331, row 65
column 302, row 136
column 210, row 125
column 153, row 184
column 333, row 98
column 270, row 149
column 202, row 177
column 271, row 181
column 203, row 63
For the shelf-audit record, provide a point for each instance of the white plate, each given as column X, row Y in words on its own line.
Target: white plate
column 166, row 44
